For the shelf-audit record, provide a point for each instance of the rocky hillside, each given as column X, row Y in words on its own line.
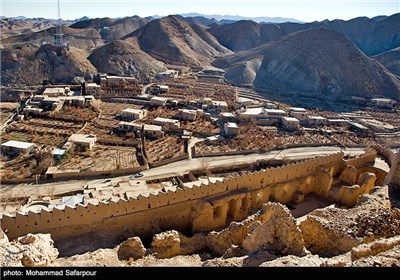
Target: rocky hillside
column 95, row 23
column 111, row 29
column 370, row 35
column 125, row 58
column 246, row 34
column 30, row 65
column 13, row 27
column 311, row 61
column 391, row 60
column 172, row 40
column 79, row 38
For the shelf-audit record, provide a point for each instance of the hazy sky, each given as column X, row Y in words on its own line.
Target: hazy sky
column 305, row 10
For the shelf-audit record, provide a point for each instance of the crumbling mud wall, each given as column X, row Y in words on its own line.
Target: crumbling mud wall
column 368, row 156
column 199, row 208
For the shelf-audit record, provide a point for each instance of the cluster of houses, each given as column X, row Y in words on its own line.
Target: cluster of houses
column 53, row 99
column 81, row 142
column 378, row 103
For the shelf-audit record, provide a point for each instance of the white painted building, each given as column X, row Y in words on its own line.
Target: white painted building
column 133, row 114
column 92, row 88
column 14, row 148
column 275, row 113
column 218, row 106
column 158, row 101
column 188, row 115
column 167, row 124
column 82, row 141
column 231, row 129
column 298, row 113
column 316, row 120
column 55, row 92
column 290, row 123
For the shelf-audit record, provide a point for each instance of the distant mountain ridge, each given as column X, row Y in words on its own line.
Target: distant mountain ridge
column 328, row 58
column 237, row 18
column 311, row 61
column 365, row 33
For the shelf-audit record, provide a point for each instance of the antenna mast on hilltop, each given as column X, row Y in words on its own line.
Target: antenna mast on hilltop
column 59, row 36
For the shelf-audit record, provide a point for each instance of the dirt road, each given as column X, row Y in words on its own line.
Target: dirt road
column 173, row 169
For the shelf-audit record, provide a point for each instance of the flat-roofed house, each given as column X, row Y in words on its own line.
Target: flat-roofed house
column 150, row 131
column 228, row 117
column 188, row 115
column 231, row 129
column 92, row 88
column 166, row 75
column 153, row 131
column 384, row 103
column 243, row 102
column 251, row 113
column 14, row 148
column 316, row 120
column 274, row 113
column 119, row 81
column 158, row 101
column 290, row 123
column 167, row 124
column 82, row 141
column 129, row 126
column 298, row 113
column 133, row 114
column 54, row 92
column 218, row 106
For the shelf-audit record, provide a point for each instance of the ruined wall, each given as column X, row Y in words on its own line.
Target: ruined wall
column 386, row 153
column 369, row 156
column 202, row 207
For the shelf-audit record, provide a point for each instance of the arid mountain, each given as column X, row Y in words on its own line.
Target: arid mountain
column 122, row 27
column 371, row 36
column 391, row 60
column 96, row 23
column 312, row 61
column 13, row 27
column 237, row 18
column 29, row 65
column 208, row 38
column 125, row 58
column 78, row 38
column 111, row 29
column 172, row 40
column 328, row 57
column 245, row 34
column 201, row 20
